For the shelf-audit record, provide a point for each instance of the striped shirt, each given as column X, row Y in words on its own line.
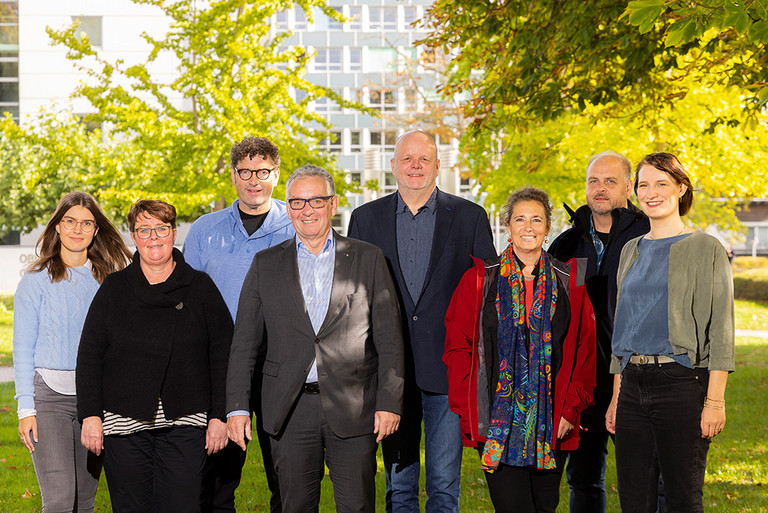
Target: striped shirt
column 115, row 424
column 316, row 277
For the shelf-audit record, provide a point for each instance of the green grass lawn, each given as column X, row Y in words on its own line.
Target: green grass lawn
column 737, row 471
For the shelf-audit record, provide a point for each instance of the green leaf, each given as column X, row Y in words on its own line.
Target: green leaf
column 645, row 16
column 758, row 32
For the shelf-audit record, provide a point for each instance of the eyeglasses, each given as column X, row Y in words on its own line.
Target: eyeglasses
column 86, row 225
column 261, row 174
column 161, row 231
column 316, row 202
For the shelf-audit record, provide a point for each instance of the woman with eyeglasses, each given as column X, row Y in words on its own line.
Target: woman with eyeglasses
column 151, row 371
column 78, row 248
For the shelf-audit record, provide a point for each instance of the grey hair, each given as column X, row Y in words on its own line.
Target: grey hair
column 626, row 165
column 307, row 172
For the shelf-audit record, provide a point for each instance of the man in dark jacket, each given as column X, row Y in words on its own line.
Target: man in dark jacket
column 600, row 230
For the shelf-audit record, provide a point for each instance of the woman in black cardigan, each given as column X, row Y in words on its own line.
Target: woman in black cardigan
column 151, row 371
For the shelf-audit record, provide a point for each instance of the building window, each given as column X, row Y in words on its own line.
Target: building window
column 332, row 23
column 355, row 59
column 281, row 20
column 384, row 138
column 331, row 142
column 328, row 59
column 409, row 16
column 90, row 26
column 383, row 100
column 382, row 18
column 9, row 59
column 325, row 105
column 300, row 19
column 355, row 18
column 355, row 141
column 411, row 100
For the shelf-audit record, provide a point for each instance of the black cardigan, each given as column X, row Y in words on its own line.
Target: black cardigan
column 142, row 341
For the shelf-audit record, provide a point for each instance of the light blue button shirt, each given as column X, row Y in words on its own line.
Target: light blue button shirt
column 316, row 277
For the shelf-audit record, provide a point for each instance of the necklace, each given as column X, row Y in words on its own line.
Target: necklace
column 675, row 235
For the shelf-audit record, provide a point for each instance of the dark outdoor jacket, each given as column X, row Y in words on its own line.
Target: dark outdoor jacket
column 576, row 242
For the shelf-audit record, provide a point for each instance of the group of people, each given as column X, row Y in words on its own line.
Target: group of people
column 155, row 365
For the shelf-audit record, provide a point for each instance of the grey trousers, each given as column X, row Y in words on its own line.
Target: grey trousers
column 67, row 473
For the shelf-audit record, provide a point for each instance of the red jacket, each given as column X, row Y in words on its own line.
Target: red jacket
column 575, row 378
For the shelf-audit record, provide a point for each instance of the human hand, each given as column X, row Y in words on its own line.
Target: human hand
column 239, row 428
column 28, row 432
column 385, row 423
column 92, row 435
column 712, row 421
column 564, row 429
column 216, row 436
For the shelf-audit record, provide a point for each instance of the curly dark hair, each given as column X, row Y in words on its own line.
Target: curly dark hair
column 252, row 146
column 527, row 193
column 669, row 164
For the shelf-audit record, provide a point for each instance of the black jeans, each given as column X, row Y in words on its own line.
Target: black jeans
column 658, row 430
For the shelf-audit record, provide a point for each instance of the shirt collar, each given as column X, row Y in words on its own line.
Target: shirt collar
column 330, row 244
column 430, row 205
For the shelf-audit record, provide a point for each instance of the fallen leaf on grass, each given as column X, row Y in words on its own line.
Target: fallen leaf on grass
column 27, row 494
column 2, row 460
column 12, row 467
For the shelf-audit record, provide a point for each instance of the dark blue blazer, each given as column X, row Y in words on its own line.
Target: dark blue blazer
column 461, row 231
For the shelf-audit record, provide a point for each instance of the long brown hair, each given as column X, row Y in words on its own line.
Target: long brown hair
column 107, row 252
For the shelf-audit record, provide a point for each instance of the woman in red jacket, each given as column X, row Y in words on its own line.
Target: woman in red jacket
column 520, row 351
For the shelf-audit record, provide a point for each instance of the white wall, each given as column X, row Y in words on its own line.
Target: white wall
column 45, row 74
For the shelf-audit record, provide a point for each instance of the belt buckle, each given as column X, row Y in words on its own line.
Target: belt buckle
column 644, row 359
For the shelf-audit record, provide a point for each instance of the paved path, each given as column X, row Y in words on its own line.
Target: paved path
column 6, row 373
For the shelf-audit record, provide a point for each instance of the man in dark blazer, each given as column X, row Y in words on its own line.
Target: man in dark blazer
column 427, row 237
column 326, row 308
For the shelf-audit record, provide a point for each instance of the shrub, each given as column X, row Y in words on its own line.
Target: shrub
column 751, row 284
column 744, row 263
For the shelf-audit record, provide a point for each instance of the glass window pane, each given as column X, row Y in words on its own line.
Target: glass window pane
column 13, row 109
column 9, row 92
column 355, row 59
column 9, row 69
column 9, row 35
column 356, row 17
column 9, row 12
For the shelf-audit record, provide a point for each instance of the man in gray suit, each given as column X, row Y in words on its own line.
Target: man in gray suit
column 327, row 310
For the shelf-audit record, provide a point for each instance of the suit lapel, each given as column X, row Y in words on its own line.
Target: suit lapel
column 292, row 280
column 342, row 282
column 389, row 233
column 443, row 221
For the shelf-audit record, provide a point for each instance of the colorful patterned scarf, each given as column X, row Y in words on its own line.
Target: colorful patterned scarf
column 522, row 424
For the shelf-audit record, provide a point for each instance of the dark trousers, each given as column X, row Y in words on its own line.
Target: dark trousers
column 658, row 431
column 300, row 451
column 222, row 472
column 155, row 471
column 526, row 490
column 586, row 465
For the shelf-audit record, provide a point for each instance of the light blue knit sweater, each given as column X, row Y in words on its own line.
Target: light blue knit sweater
column 47, row 322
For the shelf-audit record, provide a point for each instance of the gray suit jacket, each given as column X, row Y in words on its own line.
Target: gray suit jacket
column 359, row 347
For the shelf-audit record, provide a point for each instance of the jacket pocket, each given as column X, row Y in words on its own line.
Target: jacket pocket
column 270, row 368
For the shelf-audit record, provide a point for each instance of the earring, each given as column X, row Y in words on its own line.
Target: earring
column 546, row 239
column 509, row 239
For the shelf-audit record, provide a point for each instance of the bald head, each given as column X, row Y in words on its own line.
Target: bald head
column 415, row 166
column 609, row 182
